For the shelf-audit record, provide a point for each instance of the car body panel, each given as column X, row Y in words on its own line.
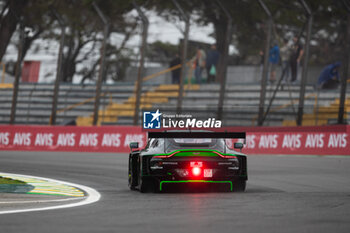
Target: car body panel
column 156, row 166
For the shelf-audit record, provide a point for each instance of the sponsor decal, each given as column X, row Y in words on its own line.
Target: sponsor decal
column 152, row 120
column 321, row 140
column 157, row 120
column 191, row 123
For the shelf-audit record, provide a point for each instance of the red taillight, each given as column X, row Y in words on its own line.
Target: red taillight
column 196, row 171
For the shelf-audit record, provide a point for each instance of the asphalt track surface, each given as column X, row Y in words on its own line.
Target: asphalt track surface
column 284, row 194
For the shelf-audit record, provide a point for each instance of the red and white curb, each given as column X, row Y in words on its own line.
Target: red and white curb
column 91, row 195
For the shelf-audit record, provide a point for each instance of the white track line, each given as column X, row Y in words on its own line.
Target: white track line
column 92, row 196
column 42, row 201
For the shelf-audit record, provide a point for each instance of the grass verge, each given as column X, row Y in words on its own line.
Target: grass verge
column 4, row 180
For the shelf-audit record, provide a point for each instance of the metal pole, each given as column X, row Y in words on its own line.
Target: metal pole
column 102, row 62
column 142, row 61
column 265, row 68
column 59, row 68
column 273, row 96
column 17, row 72
column 345, row 68
column 183, row 67
column 223, row 64
column 3, row 72
column 305, row 65
column 183, row 56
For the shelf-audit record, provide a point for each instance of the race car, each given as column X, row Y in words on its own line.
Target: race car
column 187, row 158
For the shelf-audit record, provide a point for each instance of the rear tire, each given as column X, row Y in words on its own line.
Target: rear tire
column 131, row 185
column 239, row 185
column 132, row 179
column 146, row 185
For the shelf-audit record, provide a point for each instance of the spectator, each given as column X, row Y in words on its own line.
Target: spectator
column 285, row 52
column 175, row 74
column 211, row 63
column 274, row 57
column 261, row 66
column 199, row 64
column 296, row 55
column 261, row 54
column 329, row 77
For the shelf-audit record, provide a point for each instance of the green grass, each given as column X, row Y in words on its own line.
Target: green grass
column 4, row 180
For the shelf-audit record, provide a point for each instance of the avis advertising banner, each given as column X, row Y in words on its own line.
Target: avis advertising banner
column 324, row 140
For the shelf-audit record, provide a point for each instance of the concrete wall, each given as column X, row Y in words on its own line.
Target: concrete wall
column 235, row 74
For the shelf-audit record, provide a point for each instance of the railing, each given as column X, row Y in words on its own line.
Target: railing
column 291, row 103
column 89, row 100
column 161, row 72
column 81, row 103
column 3, row 72
column 149, row 77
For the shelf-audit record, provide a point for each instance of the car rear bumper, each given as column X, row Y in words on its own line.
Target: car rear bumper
column 211, row 182
column 194, row 184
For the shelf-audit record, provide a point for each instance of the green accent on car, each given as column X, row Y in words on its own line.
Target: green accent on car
column 194, row 181
column 189, row 152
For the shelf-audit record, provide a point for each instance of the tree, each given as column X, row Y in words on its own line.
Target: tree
column 83, row 30
column 161, row 52
column 9, row 18
column 249, row 27
column 86, row 28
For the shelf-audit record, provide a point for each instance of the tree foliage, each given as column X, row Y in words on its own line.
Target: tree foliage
column 249, row 27
column 84, row 28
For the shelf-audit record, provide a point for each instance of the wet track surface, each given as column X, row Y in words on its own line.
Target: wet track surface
column 284, row 194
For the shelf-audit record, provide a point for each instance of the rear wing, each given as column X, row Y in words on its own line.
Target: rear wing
column 231, row 135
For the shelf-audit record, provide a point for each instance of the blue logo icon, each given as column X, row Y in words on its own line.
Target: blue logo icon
column 152, row 120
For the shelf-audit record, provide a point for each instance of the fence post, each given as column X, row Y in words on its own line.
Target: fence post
column 102, row 63
column 305, row 64
column 345, row 68
column 59, row 68
column 142, row 62
column 17, row 72
column 223, row 64
column 3, row 72
column 183, row 56
column 265, row 67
